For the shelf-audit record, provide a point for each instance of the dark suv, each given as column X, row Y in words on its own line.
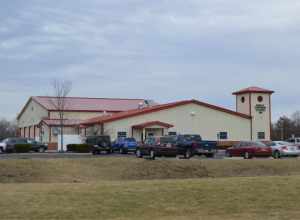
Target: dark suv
column 168, row 146
column 100, row 144
column 37, row 146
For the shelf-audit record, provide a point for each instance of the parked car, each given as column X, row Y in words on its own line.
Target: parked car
column 168, row 146
column 125, row 145
column 99, row 144
column 249, row 149
column 295, row 140
column 284, row 149
column 201, row 147
column 8, row 144
column 37, row 146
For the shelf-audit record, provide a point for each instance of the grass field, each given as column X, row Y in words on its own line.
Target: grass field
column 128, row 188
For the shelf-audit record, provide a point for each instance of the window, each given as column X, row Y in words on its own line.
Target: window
column 260, row 99
column 243, row 99
column 223, row 135
column 122, row 134
column 261, row 135
column 172, row 133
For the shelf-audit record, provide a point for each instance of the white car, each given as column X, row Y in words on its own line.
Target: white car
column 284, row 149
column 3, row 145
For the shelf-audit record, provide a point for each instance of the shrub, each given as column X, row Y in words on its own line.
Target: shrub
column 22, row 148
column 79, row 148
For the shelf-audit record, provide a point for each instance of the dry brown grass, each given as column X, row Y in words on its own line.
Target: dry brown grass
column 222, row 198
column 91, row 170
column 136, row 189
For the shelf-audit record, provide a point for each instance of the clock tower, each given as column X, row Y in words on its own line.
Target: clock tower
column 256, row 102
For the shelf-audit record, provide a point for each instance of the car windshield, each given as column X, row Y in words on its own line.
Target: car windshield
column 130, row 139
column 193, row 137
column 165, row 140
column 258, row 144
column 150, row 141
column 283, row 143
column 21, row 141
column 5, row 140
column 104, row 138
column 31, row 141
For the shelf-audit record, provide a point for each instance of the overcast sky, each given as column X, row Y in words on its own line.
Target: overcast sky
column 165, row 50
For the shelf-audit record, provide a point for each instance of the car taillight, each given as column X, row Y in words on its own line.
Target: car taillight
column 284, row 148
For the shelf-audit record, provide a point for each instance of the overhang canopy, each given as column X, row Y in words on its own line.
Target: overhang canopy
column 66, row 122
column 152, row 123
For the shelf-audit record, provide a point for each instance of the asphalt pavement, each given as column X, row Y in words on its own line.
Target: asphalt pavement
column 56, row 155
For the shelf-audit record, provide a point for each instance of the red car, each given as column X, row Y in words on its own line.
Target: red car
column 249, row 149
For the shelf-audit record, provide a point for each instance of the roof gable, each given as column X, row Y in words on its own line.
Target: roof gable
column 31, row 99
column 136, row 112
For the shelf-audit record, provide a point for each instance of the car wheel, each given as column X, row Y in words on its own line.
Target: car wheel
column 41, row 150
column 227, row 154
column 276, row 155
column 247, row 155
column 188, row 154
column 1, row 150
column 138, row 154
column 152, row 155
column 121, row 150
column 210, row 155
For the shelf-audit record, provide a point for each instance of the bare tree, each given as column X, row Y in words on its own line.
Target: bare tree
column 296, row 118
column 7, row 129
column 61, row 90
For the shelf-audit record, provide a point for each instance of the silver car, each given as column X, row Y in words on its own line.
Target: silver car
column 284, row 149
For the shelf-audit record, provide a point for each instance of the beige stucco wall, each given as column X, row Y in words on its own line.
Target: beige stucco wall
column 32, row 115
column 243, row 107
column 76, row 115
column 205, row 121
column 260, row 122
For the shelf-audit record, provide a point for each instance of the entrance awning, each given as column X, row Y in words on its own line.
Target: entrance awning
column 152, row 123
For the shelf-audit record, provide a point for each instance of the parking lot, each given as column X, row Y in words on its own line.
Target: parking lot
column 55, row 155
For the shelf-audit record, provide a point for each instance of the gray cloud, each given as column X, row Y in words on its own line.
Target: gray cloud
column 161, row 49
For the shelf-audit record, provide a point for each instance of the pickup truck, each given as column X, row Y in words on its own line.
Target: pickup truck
column 172, row 146
column 201, row 147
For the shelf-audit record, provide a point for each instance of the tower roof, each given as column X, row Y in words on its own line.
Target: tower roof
column 253, row 89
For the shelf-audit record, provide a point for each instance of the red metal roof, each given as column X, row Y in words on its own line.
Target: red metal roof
column 253, row 89
column 136, row 112
column 152, row 123
column 91, row 104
